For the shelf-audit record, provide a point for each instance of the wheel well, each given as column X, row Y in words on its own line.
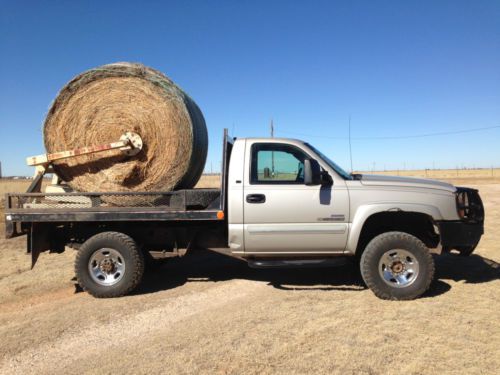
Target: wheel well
column 414, row 223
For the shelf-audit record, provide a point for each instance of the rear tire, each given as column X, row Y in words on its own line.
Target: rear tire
column 109, row 264
column 397, row 266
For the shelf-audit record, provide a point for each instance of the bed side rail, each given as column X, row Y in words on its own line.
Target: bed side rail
column 173, row 200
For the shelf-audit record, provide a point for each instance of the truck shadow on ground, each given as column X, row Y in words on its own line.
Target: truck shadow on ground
column 206, row 266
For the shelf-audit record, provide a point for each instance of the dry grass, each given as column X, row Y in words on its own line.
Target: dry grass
column 213, row 181
column 9, row 185
column 209, row 314
column 209, row 181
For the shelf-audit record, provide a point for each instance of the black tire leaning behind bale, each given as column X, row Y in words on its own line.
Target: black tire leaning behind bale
column 109, row 264
column 397, row 266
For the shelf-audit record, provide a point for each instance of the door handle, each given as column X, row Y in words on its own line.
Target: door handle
column 256, row 198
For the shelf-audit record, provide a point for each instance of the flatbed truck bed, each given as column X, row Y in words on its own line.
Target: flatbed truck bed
column 193, row 204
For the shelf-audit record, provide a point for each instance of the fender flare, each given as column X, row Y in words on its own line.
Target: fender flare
column 365, row 211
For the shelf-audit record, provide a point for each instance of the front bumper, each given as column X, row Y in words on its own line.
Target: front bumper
column 459, row 234
column 464, row 235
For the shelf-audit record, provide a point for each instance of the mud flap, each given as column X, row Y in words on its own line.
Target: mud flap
column 38, row 241
column 10, row 229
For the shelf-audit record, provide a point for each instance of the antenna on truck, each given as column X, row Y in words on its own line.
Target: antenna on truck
column 350, row 147
column 272, row 152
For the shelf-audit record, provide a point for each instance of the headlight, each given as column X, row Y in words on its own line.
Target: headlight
column 462, row 204
column 469, row 205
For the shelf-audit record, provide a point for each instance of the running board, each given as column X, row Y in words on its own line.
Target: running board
column 299, row 263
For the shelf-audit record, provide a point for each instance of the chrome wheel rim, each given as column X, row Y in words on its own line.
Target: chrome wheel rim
column 106, row 266
column 398, row 268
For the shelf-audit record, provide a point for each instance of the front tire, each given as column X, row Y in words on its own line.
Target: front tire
column 397, row 266
column 109, row 264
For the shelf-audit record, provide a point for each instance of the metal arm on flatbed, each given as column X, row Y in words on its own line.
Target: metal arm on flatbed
column 130, row 143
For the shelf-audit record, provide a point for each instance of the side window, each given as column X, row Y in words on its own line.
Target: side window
column 274, row 163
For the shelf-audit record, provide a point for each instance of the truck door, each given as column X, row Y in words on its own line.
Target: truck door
column 281, row 214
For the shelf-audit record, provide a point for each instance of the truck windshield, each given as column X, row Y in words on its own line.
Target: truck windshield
column 331, row 163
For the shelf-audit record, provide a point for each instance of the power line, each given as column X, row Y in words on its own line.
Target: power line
column 399, row 136
column 434, row 134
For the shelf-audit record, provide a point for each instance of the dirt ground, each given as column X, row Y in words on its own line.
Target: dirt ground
column 206, row 313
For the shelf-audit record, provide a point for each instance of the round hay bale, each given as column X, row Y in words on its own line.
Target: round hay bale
column 101, row 104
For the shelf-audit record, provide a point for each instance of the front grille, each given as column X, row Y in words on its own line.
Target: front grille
column 469, row 205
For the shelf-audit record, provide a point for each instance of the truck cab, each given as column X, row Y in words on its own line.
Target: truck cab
column 277, row 207
column 286, row 198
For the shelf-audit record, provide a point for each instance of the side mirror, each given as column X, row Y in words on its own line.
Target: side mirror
column 326, row 179
column 312, row 172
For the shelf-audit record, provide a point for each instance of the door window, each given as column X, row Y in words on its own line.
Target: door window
column 274, row 163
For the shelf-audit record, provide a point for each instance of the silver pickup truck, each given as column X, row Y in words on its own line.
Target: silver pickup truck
column 281, row 203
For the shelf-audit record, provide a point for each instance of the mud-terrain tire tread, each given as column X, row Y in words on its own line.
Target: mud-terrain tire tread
column 131, row 253
column 379, row 245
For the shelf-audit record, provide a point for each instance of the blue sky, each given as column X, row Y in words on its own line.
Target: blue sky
column 396, row 67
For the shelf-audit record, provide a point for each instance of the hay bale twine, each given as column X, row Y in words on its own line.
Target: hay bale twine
column 101, row 104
